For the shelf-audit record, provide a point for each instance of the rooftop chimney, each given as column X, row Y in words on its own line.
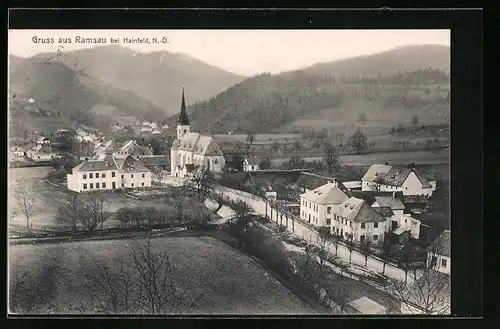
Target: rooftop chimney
column 387, row 163
column 411, row 165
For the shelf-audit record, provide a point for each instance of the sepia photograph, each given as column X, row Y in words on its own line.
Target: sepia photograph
column 229, row 172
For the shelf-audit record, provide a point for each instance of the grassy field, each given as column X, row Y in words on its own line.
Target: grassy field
column 231, row 282
column 46, row 194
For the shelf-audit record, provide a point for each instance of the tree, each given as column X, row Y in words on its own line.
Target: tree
column 159, row 174
column 331, row 158
column 27, row 203
column 386, row 253
column 414, row 122
column 297, row 146
column 241, row 210
column 365, row 246
column 405, row 255
column 362, row 118
column 125, row 215
column 358, row 141
column 70, row 210
column 350, row 245
column 430, row 294
column 335, row 239
column 275, row 146
column 148, row 286
column 201, row 183
column 95, row 211
column 340, row 295
column 265, row 164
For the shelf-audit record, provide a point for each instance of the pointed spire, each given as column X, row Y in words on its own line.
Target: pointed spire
column 183, row 117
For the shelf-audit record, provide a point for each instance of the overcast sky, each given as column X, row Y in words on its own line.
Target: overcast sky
column 245, row 52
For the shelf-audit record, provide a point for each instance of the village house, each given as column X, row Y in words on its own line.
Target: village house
column 356, row 221
column 318, row 206
column 101, row 150
column 18, row 151
column 193, row 148
column 42, row 141
column 151, row 162
column 109, row 173
column 439, row 253
column 41, row 153
column 251, row 164
column 397, row 178
column 131, row 148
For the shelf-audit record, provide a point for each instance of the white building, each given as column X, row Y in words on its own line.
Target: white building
column 439, row 253
column 396, row 216
column 397, row 178
column 318, row 206
column 251, row 164
column 365, row 305
column 193, row 149
column 18, row 151
column 42, row 141
column 41, row 153
column 109, row 174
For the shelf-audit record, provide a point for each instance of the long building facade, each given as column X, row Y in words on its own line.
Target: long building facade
column 109, row 173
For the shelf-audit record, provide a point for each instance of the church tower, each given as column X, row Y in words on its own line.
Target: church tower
column 183, row 122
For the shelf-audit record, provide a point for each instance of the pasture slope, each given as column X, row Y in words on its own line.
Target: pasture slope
column 231, row 282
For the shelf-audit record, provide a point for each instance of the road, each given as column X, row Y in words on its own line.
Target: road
column 419, row 157
column 357, row 258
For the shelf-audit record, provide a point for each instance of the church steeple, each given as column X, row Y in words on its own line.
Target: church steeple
column 183, row 117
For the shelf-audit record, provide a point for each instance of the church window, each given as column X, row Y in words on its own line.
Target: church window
column 216, row 161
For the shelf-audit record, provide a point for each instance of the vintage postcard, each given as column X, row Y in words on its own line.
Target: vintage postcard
column 229, row 172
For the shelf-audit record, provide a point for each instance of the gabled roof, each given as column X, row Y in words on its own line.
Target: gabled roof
column 133, row 165
column 384, row 211
column 107, row 163
column 312, row 181
column 155, row 160
column 252, row 161
column 392, row 175
column 389, row 201
column 357, row 210
column 326, row 194
column 442, row 244
column 369, row 196
column 271, row 177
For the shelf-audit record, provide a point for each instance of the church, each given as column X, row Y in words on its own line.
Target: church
column 192, row 150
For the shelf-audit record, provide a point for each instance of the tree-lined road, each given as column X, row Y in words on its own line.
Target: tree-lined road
column 357, row 258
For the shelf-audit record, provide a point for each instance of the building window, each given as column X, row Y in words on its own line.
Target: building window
column 142, row 184
column 362, row 225
column 91, row 185
column 443, row 262
column 309, row 204
column 123, row 184
column 362, row 238
column 112, row 174
column 123, row 176
column 103, row 175
column 131, row 175
column 96, row 175
column 329, row 210
column 375, row 225
column 84, row 176
column 375, row 237
column 328, row 221
column 143, row 175
column 84, row 186
column 132, row 184
column 406, row 220
column 91, row 175
column 103, row 185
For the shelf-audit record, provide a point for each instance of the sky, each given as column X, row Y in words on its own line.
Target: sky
column 244, row 52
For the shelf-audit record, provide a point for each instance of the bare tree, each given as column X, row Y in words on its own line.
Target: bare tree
column 70, row 210
column 201, row 183
column 358, row 141
column 340, row 295
column 350, row 245
column 95, row 211
column 27, row 203
column 331, row 158
column 147, row 286
column 159, row 174
column 386, row 252
column 405, row 256
column 430, row 294
column 365, row 246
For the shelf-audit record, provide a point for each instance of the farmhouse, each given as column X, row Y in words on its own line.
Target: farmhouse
column 439, row 253
column 41, row 153
column 308, row 181
column 18, row 151
column 193, row 149
column 397, row 178
column 131, row 148
column 109, row 173
column 251, row 164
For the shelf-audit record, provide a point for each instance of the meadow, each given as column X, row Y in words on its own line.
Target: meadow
column 230, row 282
